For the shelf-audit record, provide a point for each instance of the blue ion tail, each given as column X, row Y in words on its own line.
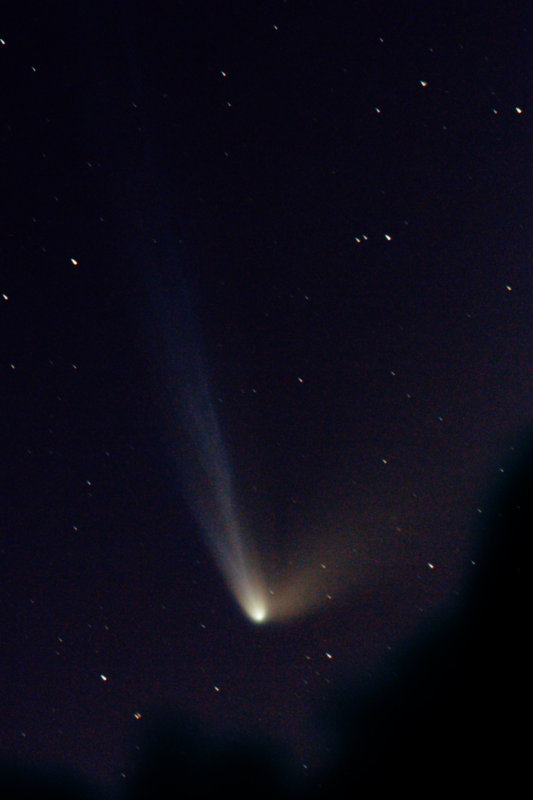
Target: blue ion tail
column 204, row 467
column 212, row 501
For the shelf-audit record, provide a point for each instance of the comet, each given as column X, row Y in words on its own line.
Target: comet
column 266, row 588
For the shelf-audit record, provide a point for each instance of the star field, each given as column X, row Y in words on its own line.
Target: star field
column 344, row 193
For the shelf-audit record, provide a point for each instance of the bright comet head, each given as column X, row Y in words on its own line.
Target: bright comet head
column 257, row 613
column 253, row 603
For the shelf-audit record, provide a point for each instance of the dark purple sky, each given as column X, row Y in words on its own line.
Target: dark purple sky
column 346, row 193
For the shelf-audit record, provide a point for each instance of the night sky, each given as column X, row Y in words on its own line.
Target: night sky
column 265, row 280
